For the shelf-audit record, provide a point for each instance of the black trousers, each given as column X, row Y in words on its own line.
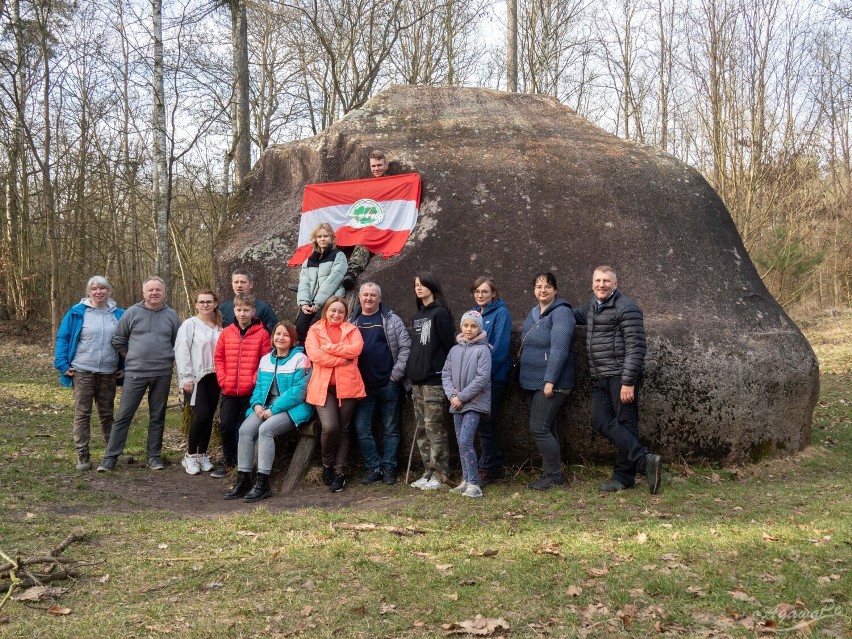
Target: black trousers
column 232, row 412
column 619, row 423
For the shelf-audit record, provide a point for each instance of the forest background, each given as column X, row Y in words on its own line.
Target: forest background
column 125, row 125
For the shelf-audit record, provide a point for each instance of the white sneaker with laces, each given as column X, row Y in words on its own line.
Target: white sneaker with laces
column 420, row 482
column 472, row 490
column 205, row 463
column 190, row 463
column 460, row 488
column 433, row 484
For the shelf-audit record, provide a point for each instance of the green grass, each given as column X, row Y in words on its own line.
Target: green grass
column 712, row 555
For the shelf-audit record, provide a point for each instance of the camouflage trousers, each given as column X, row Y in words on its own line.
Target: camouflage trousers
column 432, row 441
column 358, row 260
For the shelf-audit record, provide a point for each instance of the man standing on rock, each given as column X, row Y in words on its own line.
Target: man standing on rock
column 615, row 341
column 382, row 365
column 357, row 255
column 145, row 336
column 242, row 283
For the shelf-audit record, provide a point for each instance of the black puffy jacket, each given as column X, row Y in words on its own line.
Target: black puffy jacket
column 615, row 338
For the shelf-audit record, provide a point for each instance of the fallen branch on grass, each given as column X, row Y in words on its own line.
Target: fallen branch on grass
column 19, row 573
column 408, row 531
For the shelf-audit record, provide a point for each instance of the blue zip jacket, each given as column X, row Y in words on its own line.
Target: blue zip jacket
column 68, row 337
column 497, row 324
column 546, row 354
column 291, row 374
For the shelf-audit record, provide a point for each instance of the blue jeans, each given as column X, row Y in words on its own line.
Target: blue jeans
column 465, row 424
column 388, row 398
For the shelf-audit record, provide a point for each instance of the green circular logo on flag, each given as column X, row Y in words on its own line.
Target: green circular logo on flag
column 365, row 212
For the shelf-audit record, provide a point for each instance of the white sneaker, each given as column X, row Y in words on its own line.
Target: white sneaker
column 205, row 463
column 190, row 462
column 420, row 482
column 460, row 488
column 433, row 484
column 472, row 490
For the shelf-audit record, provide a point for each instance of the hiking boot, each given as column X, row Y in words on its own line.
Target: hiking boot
column 546, row 482
column 389, row 476
column 612, row 486
column 653, row 472
column 260, row 490
column 106, row 465
column 223, row 471
column 327, row 475
column 490, row 476
column 337, row 483
column 373, row 477
column 419, row 483
column 155, row 463
column 204, row 463
column 84, row 462
column 349, row 281
column 472, row 490
column 458, row 490
column 242, row 486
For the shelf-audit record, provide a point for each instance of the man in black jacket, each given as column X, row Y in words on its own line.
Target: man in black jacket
column 615, row 340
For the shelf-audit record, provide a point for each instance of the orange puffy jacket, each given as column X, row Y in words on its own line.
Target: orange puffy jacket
column 237, row 357
column 341, row 357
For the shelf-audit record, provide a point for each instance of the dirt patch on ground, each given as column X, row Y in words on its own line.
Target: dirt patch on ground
column 134, row 488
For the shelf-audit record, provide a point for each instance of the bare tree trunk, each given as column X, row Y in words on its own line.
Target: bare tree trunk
column 512, row 45
column 242, row 132
column 47, row 181
column 16, row 180
column 160, row 194
column 226, row 184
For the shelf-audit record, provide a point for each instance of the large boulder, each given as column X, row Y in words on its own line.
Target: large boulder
column 515, row 184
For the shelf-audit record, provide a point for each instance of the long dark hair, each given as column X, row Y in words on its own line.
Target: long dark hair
column 428, row 279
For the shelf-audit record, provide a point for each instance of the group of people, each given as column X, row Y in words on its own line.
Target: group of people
column 268, row 377
column 354, row 362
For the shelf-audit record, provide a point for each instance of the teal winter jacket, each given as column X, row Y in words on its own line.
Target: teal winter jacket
column 291, row 374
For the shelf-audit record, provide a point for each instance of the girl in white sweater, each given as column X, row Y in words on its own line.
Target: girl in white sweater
column 194, row 349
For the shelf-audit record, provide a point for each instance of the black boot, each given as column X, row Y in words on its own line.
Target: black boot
column 261, row 489
column 242, row 486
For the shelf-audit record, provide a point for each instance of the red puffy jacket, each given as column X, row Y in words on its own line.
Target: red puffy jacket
column 237, row 357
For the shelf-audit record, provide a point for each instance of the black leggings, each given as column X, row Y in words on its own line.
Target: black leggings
column 206, row 398
column 304, row 322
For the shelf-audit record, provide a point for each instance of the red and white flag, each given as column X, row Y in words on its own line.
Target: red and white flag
column 378, row 213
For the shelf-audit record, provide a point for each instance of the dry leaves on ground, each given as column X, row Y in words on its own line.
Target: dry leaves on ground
column 39, row 593
column 407, row 531
column 480, row 626
column 551, row 548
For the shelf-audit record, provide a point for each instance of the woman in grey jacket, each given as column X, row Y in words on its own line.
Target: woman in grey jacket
column 466, row 378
